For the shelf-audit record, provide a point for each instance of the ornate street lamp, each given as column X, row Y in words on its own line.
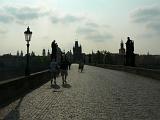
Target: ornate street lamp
column 28, row 35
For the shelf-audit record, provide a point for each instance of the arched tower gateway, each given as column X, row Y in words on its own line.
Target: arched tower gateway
column 77, row 52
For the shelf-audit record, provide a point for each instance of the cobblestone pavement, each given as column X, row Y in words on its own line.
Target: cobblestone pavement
column 95, row 94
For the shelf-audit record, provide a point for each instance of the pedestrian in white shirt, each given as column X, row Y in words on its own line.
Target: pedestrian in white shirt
column 53, row 70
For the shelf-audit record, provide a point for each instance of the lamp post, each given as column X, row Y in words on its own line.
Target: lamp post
column 27, row 35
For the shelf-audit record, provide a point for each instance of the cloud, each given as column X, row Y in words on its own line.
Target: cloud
column 99, row 37
column 154, row 26
column 25, row 13
column 4, row 18
column 96, row 35
column 149, row 16
column 96, row 25
column 21, row 14
column 146, row 14
column 92, row 24
column 71, row 18
column 3, row 31
column 86, row 30
column 66, row 19
column 55, row 19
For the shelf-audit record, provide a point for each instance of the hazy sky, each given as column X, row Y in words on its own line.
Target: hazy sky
column 98, row 24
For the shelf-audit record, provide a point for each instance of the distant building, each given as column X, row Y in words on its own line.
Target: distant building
column 77, row 52
column 122, row 49
column 7, row 55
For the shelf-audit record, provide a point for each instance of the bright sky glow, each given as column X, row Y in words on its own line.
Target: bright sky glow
column 98, row 24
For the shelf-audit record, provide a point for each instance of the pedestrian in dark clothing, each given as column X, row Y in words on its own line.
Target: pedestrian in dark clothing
column 69, row 65
column 64, row 70
column 81, row 66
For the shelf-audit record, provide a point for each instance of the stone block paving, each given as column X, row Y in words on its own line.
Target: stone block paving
column 94, row 94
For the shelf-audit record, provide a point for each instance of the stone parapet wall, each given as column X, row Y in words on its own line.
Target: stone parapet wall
column 12, row 88
column 155, row 74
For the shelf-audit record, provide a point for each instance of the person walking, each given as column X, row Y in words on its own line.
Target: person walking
column 53, row 69
column 69, row 65
column 81, row 66
column 64, row 70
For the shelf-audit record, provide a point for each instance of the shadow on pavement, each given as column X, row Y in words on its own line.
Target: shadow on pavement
column 14, row 114
column 55, row 86
column 81, row 71
column 66, row 86
column 57, row 91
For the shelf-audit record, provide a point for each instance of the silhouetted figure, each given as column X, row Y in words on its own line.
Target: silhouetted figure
column 17, row 53
column 69, row 65
column 54, row 70
column 64, row 70
column 54, row 50
column 81, row 66
column 48, row 53
column 21, row 53
column 130, row 57
column 43, row 52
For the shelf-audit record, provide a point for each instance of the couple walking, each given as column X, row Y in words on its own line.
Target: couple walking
column 56, row 69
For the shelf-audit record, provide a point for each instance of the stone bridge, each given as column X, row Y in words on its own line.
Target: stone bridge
column 94, row 94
